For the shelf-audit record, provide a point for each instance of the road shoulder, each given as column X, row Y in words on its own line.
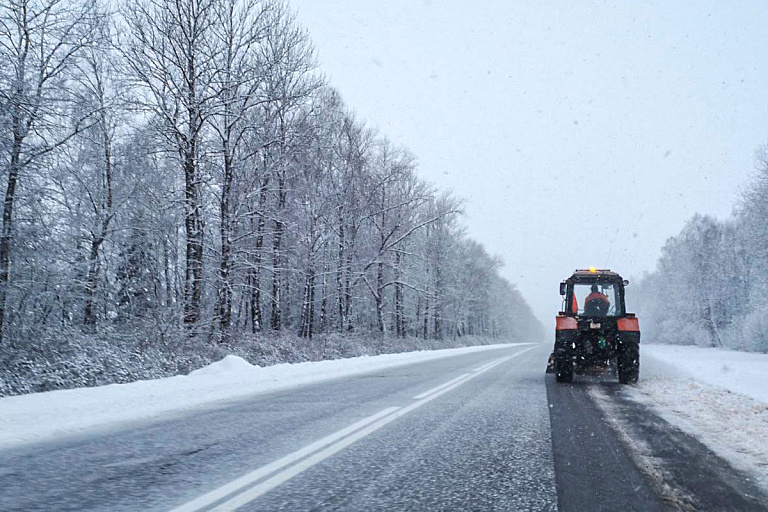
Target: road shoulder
column 593, row 470
column 683, row 470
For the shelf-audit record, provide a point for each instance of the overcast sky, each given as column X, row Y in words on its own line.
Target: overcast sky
column 579, row 133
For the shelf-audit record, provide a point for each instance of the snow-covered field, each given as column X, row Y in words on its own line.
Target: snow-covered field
column 38, row 417
column 719, row 396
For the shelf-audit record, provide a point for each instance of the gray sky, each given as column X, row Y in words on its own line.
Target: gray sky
column 579, row 133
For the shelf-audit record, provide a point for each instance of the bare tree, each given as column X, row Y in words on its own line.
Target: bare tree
column 239, row 30
column 353, row 146
column 100, row 90
column 289, row 56
column 397, row 199
column 172, row 53
column 39, row 43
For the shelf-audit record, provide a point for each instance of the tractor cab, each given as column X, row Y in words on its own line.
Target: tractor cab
column 593, row 293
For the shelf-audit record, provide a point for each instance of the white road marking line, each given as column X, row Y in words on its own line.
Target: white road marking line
column 337, row 441
column 497, row 363
column 438, row 388
column 260, row 489
column 483, row 367
column 250, row 478
column 269, row 484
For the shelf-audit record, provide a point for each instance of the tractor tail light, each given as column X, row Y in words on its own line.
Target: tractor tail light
column 565, row 323
column 629, row 324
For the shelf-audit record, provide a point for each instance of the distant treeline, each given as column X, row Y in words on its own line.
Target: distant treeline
column 179, row 170
column 710, row 286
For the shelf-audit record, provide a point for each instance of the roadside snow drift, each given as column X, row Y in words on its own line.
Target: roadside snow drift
column 47, row 416
column 740, row 372
column 719, row 396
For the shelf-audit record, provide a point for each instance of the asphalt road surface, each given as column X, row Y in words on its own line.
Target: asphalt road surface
column 485, row 431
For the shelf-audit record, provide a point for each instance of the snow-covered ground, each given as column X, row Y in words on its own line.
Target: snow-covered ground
column 38, row 417
column 740, row 372
column 719, row 396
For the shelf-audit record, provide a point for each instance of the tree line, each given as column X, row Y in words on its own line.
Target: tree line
column 710, row 286
column 181, row 166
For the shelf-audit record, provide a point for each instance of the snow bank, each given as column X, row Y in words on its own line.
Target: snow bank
column 48, row 416
column 719, row 396
column 230, row 365
column 740, row 372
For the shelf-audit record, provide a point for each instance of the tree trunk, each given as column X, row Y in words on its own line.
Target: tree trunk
column 379, row 297
column 93, row 267
column 193, row 221
column 257, row 314
column 311, row 305
column 399, row 309
column 307, row 308
column 89, row 318
column 225, row 287
column 169, row 288
column 276, row 318
column 348, row 290
column 324, row 300
column 7, row 232
column 340, row 273
column 254, row 298
column 193, row 224
column 427, row 305
column 714, row 332
column 417, row 316
column 437, row 308
column 285, row 309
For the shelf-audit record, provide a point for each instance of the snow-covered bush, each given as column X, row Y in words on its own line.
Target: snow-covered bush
column 71, row 359
column 754, row 332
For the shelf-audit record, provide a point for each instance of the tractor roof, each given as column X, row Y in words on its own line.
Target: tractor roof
column 588, row 273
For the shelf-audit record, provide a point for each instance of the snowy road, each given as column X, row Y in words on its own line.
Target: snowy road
column 479, row 431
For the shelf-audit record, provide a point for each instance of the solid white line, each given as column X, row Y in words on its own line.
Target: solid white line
column 438, row 388
column 250, row 478
column 285, row 475
column 483, row 368
column 490, row 365
column 486, row 365
column 497, row 363
column 269, row 484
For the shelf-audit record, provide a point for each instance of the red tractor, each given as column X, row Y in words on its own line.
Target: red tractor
column 593, row 329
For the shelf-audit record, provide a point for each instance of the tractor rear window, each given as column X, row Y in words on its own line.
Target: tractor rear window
column 596, row 299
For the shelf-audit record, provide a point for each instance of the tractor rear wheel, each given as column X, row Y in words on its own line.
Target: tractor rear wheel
column 629, row 363
column 563, row 366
